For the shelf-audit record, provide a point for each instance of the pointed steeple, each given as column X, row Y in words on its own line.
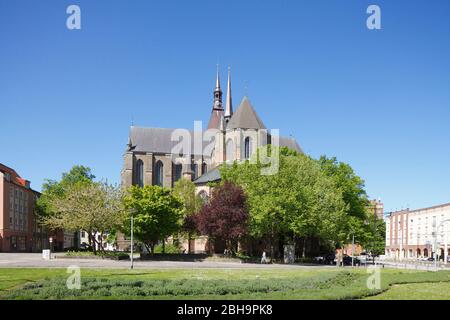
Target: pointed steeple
column 217, row 80
column 229, row 104
column 217, row 93
column 217, row 110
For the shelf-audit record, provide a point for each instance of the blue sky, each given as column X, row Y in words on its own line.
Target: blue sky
column 379, row 100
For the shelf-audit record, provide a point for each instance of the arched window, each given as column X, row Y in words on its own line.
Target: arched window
column 159, row 172
column 247, row 148
column 229, row 150
column 194, row 171
column 204, row 168
column 140, row 173
column 203, row 195
column 177, row 172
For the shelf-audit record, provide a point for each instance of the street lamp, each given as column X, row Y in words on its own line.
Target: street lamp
column 353, row 248
column 132, row 241
column 50, row 240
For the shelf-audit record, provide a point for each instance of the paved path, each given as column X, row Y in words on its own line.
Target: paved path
column 34, row 260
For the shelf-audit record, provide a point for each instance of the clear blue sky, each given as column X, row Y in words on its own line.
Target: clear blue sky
column 379, row 100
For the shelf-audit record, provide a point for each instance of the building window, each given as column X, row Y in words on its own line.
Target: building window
column 195, row 170
column 203, row 195
column 247, row 148
column 140, row 173
column 204, row 168
column 178, row 172
column 229, row 150
column 159, row 171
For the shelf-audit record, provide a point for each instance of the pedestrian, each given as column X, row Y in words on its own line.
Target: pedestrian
column 263, row 258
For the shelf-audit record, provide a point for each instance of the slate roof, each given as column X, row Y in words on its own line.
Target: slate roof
column 245, row 117
column 158, row 140
column 291, row 143
column 211, row 176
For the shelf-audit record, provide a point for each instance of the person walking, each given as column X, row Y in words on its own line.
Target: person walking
column 263, row 258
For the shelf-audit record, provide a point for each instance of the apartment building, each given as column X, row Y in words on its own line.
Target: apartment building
column 19, row 231
column 413, row 234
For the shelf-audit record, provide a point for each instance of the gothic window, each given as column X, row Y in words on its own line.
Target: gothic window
column 204, row 168
column 247, row 148
column 203, row 195
column 229, row 150
column 140, row 173
column 178, row 171
column 159, row 172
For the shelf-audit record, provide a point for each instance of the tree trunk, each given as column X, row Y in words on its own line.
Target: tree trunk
column 94, row 241
column 189, row 242
column 152, row 247
column 163, row 246
column 304, row 247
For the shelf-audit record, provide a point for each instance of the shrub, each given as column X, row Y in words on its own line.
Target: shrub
column 170, row 248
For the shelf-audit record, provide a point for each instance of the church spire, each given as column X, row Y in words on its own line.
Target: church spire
column 217, row 110
column 229, row 105
column 217, row 93
column 217, row 79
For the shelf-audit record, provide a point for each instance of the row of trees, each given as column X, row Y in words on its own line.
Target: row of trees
column 306, row 199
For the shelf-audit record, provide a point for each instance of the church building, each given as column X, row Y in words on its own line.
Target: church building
column 153, row 155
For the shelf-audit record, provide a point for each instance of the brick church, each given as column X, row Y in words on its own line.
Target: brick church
column 155, row 156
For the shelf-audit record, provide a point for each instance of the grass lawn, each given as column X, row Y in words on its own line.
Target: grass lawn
column 416, row 291
column 316, row 283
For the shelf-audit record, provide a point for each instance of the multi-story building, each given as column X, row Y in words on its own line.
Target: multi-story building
column 376, row 208
column 413, row 234
column 19, row 231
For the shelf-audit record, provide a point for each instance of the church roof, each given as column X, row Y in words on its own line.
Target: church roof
column 245, row 117
column 158, row 140
column 215, row 119
column 211, row 176
column 291, row 143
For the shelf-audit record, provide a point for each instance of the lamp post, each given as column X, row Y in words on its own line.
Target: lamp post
column 353, row 249
column 50, row 240
column 132, row 241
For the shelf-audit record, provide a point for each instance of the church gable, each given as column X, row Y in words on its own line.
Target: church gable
column 245, row 117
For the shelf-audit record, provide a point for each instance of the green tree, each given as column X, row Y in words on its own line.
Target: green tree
column 376, row 236
column 156, row 211
column 354, row 197
column 52, row 189
column 351, row 185
column 297, row 201
column 184, row 190
column 93, row 207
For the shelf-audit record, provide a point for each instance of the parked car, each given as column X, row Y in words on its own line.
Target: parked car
column 329, row 259
column 318, row 259
column 324, row 259
column 348, row 261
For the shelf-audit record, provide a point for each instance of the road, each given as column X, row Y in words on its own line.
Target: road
column 34, row 260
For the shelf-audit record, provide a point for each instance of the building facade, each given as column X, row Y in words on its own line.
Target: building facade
column 376, row 209
column 415, row 234
column 162, row 156
column 19, row 231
